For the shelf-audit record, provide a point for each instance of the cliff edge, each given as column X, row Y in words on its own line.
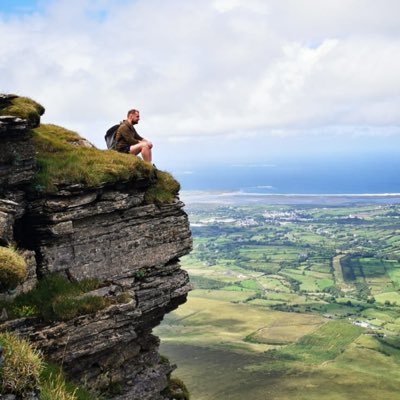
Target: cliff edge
column 118, row 230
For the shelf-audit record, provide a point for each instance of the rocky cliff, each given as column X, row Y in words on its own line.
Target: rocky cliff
column 108, row 232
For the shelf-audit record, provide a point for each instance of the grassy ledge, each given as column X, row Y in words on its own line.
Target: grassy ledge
column 55, row 298
column 163, row 190
column 62, row 160
column 23, row 107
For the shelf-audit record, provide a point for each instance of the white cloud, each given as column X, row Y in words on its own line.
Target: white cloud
column 215, row 68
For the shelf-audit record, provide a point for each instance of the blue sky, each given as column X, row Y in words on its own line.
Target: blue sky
column 216, row 80
column 13, row 7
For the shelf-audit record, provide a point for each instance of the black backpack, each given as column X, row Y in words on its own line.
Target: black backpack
column 110, row 137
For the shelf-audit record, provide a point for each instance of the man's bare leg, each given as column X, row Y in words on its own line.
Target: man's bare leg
column 142, row 148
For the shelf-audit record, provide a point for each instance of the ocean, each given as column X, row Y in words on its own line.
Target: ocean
column 366, row 178
column 353, row 176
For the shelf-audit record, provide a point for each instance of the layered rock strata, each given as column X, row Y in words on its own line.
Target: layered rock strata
column 110, row 234
column 17, row 170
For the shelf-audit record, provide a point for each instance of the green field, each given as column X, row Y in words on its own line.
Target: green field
column 299, row 303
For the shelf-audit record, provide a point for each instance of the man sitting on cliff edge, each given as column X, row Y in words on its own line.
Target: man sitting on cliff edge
column 129, row 141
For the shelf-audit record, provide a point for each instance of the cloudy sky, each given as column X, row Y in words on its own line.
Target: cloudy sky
column 215, row 80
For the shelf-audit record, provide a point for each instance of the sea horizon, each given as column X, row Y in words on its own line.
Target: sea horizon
column 351, row 177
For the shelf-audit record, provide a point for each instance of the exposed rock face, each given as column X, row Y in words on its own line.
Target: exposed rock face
column 16, row 152
column 17, row 169
column 106, row 233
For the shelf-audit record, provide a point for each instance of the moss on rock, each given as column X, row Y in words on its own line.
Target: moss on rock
column 23, row 107
column 164, row 189
column 55, row 298
column 176, row 390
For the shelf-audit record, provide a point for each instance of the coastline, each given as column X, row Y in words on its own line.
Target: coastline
column 241, row 197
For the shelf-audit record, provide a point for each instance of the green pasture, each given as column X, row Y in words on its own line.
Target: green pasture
column 320, row 266
column 342, row 211
column 383, row 316
column 309, row 281
column 394, row 273
column 252, row 332
column 286, row 331
column 264, row 302
column 221, row 374
column 311, row 238
column 210, row 319
column 326, row 343
column 226, row 294
column 261, row 266
column 334, row 310
column 275, row 283
column 394, row 240
column 392, row 297
column 289, row 298
column 392, row 328
column 370, row 356
column 251, row 284
column 373, row 267
column 330, row 360
column 257, row 251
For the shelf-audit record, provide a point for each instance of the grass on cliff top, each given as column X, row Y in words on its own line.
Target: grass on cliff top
column 63, row 160
column 23, row 107
column 163, row 190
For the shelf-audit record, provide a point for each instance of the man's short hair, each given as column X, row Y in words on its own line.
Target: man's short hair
column 133, row 111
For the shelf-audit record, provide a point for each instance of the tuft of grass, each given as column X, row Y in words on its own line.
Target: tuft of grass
column 54, row 386
column 23, row 370
column 124, row 298
column 65, row 308
column 164, row 190
column 25, row 108
column 21, row 367
column 12, row 268
column 55, row 298
column 63, row 161
column 22, row 311
column 176, row 390
column 55, row 389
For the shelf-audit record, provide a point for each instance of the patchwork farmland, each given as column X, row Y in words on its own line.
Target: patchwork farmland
column 290, row 299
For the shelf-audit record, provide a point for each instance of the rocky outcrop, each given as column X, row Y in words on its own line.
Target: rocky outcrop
column 16, row 152
column 105, row 233
column 17, row 169
column 110, row 234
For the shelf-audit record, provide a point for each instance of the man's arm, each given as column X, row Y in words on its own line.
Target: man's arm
column 136, row 135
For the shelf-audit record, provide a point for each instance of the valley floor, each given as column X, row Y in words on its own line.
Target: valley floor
column 291, row 302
